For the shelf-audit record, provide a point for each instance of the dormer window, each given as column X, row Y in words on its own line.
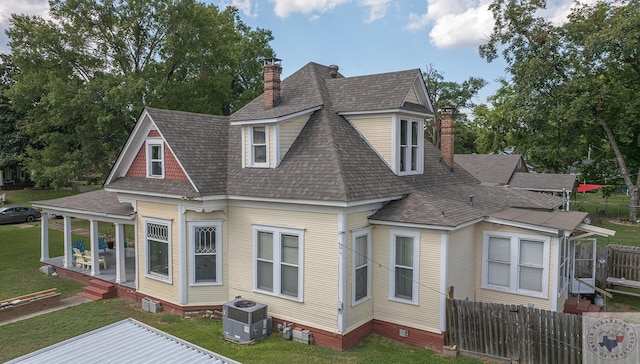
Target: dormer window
column 155, row 159
column 411, row 136
column 259, row 146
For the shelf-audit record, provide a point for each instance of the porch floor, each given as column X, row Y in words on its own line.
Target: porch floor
column 108, row 274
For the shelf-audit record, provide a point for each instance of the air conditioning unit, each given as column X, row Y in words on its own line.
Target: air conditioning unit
column 245, row 321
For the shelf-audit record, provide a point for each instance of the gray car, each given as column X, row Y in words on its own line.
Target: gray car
column 11, row 214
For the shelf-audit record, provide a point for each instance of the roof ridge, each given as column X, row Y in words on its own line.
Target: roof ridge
column 326, row 117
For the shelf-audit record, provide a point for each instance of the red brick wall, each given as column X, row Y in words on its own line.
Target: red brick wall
column 415, row 337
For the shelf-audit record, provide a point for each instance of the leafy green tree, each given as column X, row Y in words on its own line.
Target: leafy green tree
column 572, row 86
column 86, row 75
column 12, row 139
column 461, row 97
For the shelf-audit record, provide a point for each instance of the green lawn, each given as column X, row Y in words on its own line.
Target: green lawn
column 611, row 213
column 19, row 275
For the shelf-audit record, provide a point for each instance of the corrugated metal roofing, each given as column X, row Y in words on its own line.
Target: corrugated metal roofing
column 126, row 341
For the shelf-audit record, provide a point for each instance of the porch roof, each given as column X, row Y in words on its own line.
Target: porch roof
column 126, row 341
column 99, row 204
column 550, row 219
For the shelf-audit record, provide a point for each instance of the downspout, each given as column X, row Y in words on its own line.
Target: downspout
column 444, row 279
column 342, row 267
column 182, row 254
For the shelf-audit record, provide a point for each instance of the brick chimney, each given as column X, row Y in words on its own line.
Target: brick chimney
column 272, row 71
column 448, row 135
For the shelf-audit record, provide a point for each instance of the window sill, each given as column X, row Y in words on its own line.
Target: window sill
column 519, row 293
column 401, row 300
column 162, row 279
column 362, row 300
column 295, row 299
column 205, row 284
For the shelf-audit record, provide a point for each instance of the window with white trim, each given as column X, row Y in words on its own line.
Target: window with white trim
column 361, row 275
column 411, row 144
column 516, row 263
column 158, row 248
column 278, row 261
column 259, row 146
column 205, row 241
column 404, row 278
column 155, row 158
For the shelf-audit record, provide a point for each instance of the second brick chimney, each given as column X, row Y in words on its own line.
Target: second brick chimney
column 272, row 71
column 448, row 135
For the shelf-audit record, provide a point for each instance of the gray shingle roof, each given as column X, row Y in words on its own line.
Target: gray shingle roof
column 200, row 143
column 126, row 341
column 490, row 168
column 373, row 92
column 543, row 181
column 100, row 201
column 298, row 92
column 153, row 185
column 329, row 160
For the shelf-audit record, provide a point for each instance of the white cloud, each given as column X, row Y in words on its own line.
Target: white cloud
column 27, row 7
column 247, row 7
column 468, row 23
column 285, row 7
column 378, row 9
column 467, row 29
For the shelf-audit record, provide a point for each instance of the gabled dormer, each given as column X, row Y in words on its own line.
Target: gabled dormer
column 266, row 142
column 147, row 155
column 389, row 111
column 271, row 123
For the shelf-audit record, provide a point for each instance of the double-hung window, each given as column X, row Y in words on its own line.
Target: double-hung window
column 361, row 265
column 155, row 158
column 404, row 279
column 411, row 135
column 278, row 261
column 158, row 248
column 516, row 263
column 259, row 146
column 206, row 262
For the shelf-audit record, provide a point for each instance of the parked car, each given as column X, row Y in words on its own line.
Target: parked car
column 11, row 214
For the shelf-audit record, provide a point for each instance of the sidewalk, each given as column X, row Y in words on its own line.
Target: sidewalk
column 67, row 302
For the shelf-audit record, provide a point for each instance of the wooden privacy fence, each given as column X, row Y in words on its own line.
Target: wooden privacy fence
column 623, row 261
column 514, row 333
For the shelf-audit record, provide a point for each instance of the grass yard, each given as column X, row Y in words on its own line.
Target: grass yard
column 611, row 213
column 19, row 275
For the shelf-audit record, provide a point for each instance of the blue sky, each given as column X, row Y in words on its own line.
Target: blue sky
column 364, row 36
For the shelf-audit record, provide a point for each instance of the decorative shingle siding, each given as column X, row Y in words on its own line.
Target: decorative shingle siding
column 139, row 166
column 172, row 169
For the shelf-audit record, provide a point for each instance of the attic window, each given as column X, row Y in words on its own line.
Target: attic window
column 155, row 158
column 259, row 146
column 411, row 135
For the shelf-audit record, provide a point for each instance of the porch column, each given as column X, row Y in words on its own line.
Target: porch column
column 121, row 275
column 95, row 257
column 68, row 241
column 44, row 237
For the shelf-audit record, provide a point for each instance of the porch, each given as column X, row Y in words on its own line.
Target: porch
column 108, row 274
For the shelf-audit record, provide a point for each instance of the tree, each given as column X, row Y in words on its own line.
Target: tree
column 85, row 76
column 12, row 140
column 460, row 97
column 575, row 85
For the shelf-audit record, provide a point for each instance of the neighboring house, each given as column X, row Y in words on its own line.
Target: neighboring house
column 511, row 170
column 12, row 176
column 322, row 199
